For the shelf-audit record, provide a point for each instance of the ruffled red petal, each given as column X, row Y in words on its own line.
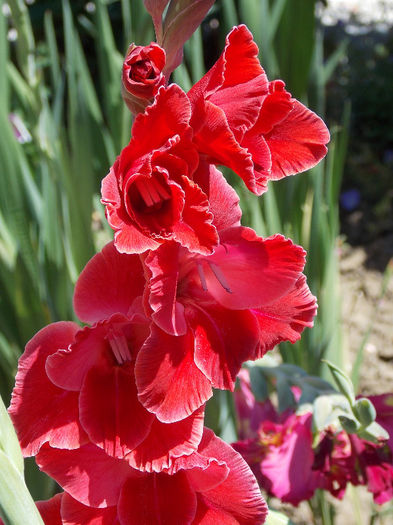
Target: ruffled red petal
column 42, row 412
column 168, row 441
column 275, row 108
column 129, row 240
column 87, row 473
column 164, row 266
column 298, row 142
column 206, row 515
column 224, row 339
column 262, row 160
column 68, row 368
column 223, row 199
column 169, row 115
column 218, row 141
column 226, row 103
column 195, row 231
column 236, row 83
column 168, row 381
column 109, row 284
column 286, row 318
column 239, row 495
column 254, row 271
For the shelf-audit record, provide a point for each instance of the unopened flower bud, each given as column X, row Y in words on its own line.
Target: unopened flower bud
column 142, row 75
column 181, row 20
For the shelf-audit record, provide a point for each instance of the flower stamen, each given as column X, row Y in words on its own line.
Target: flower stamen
column 119, row 347
column 202, row 277
column 152, row 192
column 217, row 273
column 220, row 276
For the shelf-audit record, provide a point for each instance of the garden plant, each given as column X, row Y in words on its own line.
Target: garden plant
column 152, row 259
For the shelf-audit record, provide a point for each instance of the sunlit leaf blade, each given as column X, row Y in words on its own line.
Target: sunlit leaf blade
column 16, row 505
column 8, row 441
column 342, row 381
column 277, row 518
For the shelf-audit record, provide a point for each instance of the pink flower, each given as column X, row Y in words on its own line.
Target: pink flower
column 142, row 75
column 282, row 457
column 336, row 463
column 149, row 193
column 250, row 412
column 78, row 385
column 251, row 125
column 374, row 462
column 383, row 404
column 213, row 485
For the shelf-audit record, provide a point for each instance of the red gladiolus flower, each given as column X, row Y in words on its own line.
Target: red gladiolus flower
column 212, row 313
column 149, row 193
column 85, row 377
column 254, row 127
column 142, row 75
column 213, row 485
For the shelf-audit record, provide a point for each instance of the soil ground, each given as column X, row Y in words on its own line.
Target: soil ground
column 367, row 312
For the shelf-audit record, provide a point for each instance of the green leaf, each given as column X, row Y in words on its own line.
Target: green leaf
column 54, row 59
column 25, row 46
column 16, row 505
column 327, row 410
column 373, row 432
column 258, row 383
column 292, row 371
column 297, row 26
column 229, row 14
column 349, row 424
column 8, row 441
column 110, row 65
column 4, row 60
column 334, row 60
column 342, row 381
column 364, row 411
column 284, row 393
column 277, row 518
